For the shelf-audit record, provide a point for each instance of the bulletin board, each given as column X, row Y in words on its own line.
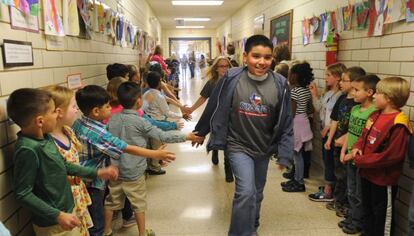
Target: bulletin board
column 281, row 29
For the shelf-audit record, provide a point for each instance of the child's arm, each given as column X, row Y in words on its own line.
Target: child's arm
column 110, row 172
column 164, row 125
column 332, row 130
column 200, row 101
column 168, row 137
column 153, row 154
column 393, row 153
column 315, row 96
column 344, row 148
column 165, row 109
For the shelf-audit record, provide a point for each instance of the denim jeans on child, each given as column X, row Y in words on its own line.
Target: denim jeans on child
column 340, row 190
column 96, row 210
column 354, row 194
column 250, row 173
column 329, row 164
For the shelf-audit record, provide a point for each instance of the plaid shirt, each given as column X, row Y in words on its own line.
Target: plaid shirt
column 98, row 145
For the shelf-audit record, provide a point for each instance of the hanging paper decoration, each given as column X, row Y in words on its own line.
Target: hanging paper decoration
column 333, row 25
column 8, row 2
column 100, row 13
column 53, row 22
column 395, row 11
column 410, row 11
column 22, row 5
column 377, row 15
column 306, row 31
column 324, row 26
column 70, row 17
column 108, row 16
column 314, row 25
column 339, row 20
column 347, row 11
column 83, row 7
column 362, row 12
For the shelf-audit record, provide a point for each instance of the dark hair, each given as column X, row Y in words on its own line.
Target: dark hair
column 156, row 67
column 281, row 53
column 257, row 40
column 231, row 50
column 303, row 72
column 91, row 96
column 25, row 104
column 370, row 82
column 158, row 50
column 116, row 69
column 354, row 72
column 153, row 79
column 128, row 93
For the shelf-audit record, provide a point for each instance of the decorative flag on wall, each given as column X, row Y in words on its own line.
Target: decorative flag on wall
column 100, row 12
column 410, row 11
column 333, row 25
column 362, row 12
column 395, row 11
column 306, row 31
column 83, row 7
column 8, row 2
column 53, row 21
column 22, row 5
column 339, row 20
column 314, row 25
column 347, row 11
column 381, row 11
column 70, row 17
column 324, row 26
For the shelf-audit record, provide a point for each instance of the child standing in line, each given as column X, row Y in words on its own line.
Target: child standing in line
column 380, row 153
column 300, row 76
column 325, row 106
column 363, row 89
column 128, row 126
column 40, row 172
column 68, row 146
column 98, row 145
column 337, row 136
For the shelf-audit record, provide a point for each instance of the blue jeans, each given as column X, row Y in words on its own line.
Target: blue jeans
column 329, row 163
column 250, row 173
column 96, row 210
column 354, row 194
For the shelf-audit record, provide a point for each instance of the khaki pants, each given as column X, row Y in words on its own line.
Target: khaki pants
column 55, row 230
column 135, row 190
column 153, row 164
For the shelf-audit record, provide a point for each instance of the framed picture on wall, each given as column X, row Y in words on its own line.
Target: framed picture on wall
column 281, row 29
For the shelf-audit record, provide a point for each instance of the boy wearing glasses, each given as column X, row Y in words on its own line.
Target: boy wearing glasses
column 337, row 137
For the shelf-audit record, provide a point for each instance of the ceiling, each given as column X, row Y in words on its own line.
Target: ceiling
column 166, row 12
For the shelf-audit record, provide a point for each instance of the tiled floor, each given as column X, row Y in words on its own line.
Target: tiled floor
column 193, row 198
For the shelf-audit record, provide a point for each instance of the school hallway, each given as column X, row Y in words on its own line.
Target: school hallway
column 194, row 199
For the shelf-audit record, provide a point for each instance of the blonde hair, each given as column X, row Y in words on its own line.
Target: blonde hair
column 283, row 69
column 60, row 95
column 336, row 69
column 212, row 73
column 396, row 89
column 112, row 89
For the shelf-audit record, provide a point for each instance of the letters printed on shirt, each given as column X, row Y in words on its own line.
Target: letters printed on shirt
column 254, row 108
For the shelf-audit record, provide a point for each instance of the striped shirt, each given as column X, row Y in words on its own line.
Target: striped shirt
column 303, row 98
column 97, row 146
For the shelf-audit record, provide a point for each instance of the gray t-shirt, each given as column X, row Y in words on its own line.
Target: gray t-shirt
column 208, row 89
column 253, row 116
column 134, row 130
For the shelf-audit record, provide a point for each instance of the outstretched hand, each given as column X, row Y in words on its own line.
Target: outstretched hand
column 161, row 154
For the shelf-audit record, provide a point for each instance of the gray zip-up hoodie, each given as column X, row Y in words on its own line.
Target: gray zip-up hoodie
column 216, row 116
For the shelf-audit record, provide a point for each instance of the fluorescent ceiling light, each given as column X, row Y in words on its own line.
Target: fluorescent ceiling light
column 197, row 3
column 190, row 27
column 193, row 19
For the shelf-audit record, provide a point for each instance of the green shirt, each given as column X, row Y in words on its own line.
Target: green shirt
column 40, row 178
column 357, row 123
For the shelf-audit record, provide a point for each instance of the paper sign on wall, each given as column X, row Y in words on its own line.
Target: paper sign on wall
column 74, row 81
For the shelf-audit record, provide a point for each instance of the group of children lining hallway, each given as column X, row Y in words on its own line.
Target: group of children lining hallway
column 75, row 173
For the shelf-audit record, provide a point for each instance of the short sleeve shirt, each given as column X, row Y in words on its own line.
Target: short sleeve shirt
column 302, row 97
column 208, row 89
column 341, row 113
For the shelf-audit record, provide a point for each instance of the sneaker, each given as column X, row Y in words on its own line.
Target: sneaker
column 320, row 196
column 156, row 172
column 286, row 183
column 149, row 232
column 341, row 211
column 343, row 223
column 351, row 229
column 331, row 206
column 294, row 187
column 130, row 222
column 214, row 157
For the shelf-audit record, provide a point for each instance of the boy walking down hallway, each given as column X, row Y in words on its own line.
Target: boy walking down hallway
column 249, row 115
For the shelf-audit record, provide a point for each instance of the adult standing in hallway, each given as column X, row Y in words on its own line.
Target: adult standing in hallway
column 191, row 63
column 249, row 115
column 217, row 70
